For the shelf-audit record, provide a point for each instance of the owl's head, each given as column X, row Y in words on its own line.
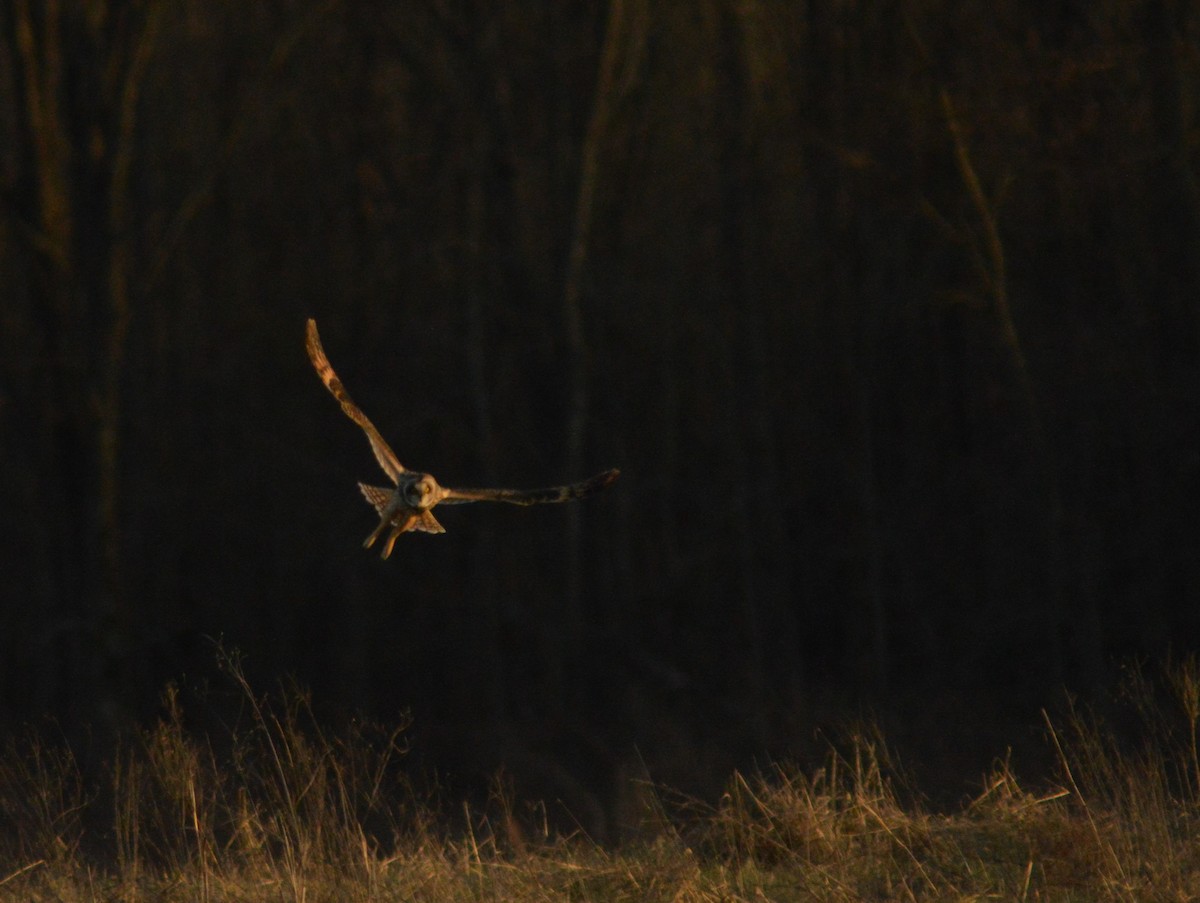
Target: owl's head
column 422, row 492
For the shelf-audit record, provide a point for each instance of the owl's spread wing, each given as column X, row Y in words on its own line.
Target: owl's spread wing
column 548, row 496
column 377, row 496
column 383, row 452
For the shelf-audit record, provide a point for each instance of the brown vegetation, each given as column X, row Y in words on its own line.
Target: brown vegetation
column 287, row 813
column 888, row 312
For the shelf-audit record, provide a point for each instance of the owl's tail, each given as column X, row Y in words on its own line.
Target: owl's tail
column 401, row 520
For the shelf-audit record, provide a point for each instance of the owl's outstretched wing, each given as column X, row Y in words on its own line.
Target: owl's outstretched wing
column 548, row 496
column 383, row 452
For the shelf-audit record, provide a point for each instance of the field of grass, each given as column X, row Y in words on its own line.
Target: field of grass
column 285, row 812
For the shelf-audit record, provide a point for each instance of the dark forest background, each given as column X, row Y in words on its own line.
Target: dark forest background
column 888, row 312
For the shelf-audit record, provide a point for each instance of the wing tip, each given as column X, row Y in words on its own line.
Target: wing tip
column 602, row 480
column 312, row 342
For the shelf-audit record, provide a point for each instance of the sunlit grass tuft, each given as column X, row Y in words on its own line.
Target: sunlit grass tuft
column 283, row 810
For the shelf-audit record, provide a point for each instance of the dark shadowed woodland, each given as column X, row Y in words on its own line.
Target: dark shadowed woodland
column 888, row 312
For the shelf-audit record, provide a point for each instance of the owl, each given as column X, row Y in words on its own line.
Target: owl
column 407, row 505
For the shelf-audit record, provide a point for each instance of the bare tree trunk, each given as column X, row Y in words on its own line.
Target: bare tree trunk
column 483, row 592
column 1080, row 612
column 619, row 64
column 81, row 225
column 855, row 311
column 745, row 406
column 878, row 670
column 119, row 302
column 1166, row 30
column 743, row 28
column 51, row 230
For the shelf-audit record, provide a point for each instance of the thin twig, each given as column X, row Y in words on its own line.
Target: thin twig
column 21, row 871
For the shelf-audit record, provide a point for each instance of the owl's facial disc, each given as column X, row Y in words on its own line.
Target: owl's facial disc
column 421, row 493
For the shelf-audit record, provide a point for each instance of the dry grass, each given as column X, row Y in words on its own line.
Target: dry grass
column 289, row 813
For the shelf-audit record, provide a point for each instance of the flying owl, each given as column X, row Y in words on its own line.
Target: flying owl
column 408, row 505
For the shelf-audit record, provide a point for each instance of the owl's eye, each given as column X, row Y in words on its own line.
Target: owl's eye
column 419, row 493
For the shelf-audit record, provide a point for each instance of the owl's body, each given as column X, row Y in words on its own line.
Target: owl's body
column 407, row 506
